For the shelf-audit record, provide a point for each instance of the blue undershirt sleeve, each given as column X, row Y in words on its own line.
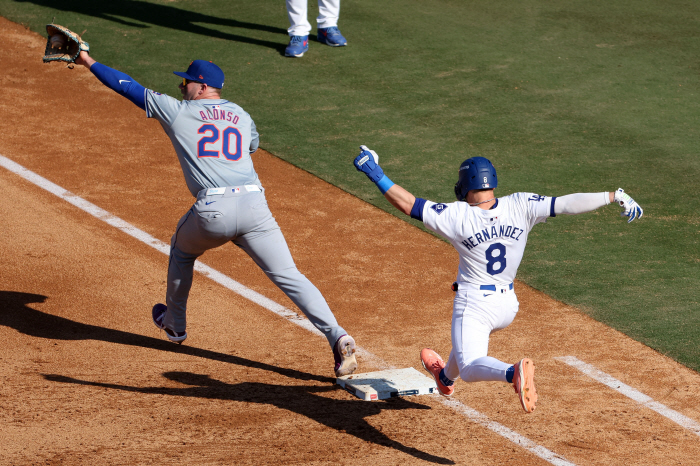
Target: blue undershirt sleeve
column 384, row 184
column 121, row 83
column 417, row 209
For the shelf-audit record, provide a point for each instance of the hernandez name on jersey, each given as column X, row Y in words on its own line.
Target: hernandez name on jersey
column 490, row 242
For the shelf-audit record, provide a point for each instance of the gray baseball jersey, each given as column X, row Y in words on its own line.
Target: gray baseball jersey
column 213, row 140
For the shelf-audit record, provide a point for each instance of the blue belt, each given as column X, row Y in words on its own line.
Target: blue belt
column 493, row 287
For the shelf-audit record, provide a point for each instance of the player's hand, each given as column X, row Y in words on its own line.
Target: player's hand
column 84, row 59
column 632, row 209
column 368, row 163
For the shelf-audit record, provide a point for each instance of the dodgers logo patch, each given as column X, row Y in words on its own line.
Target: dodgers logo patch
column 439, row 208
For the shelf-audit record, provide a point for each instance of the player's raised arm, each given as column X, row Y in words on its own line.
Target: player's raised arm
column 586, row 202
column 116, row 80
column 368, row 163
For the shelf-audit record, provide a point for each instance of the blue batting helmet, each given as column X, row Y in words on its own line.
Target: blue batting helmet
column 475, row 173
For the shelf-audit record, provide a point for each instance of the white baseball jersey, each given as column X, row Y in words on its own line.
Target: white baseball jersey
column 213, row 139
column 490, row 242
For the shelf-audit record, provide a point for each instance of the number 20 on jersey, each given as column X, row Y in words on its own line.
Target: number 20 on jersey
column 215, row 143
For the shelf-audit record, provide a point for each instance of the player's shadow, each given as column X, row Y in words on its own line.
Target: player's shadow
column 166, row 16
column 347, row 416
column 15, row 313
column 342, row 415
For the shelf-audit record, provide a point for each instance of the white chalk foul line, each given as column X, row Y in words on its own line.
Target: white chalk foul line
column 265, row 302
column 155, row 243
column 629, row 392
column 505, row 432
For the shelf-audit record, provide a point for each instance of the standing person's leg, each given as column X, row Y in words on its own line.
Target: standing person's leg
column 265, row 244
column 270, row 252
column 327, row 20
column 328, row 13
column 298, row 21
column 200, row 229
column 299, row 28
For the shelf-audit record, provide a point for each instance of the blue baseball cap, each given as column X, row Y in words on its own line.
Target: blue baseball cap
column 203, row 72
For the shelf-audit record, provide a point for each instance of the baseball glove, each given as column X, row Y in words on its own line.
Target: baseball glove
column 63, row 45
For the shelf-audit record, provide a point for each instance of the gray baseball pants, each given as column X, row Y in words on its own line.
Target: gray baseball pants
column 240, row 215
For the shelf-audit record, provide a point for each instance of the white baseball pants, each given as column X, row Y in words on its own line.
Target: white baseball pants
column 475, row 315
column 328, row 12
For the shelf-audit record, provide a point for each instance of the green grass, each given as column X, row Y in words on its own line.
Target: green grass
column 563, row 96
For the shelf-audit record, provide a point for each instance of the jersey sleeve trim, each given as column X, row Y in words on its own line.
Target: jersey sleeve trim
column 145, row 99
column 417, row 209
column 254, row 137
column 551, row 208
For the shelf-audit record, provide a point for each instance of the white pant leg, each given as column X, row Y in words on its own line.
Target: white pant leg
column 328, row 13
column 297, row 13
column 475, row 316
column 452, row 366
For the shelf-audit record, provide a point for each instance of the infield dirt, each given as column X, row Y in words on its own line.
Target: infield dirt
column 87, row 378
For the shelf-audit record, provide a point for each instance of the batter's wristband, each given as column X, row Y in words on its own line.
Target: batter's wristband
column 384, row 184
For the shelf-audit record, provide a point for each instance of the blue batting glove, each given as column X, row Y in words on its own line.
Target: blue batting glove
column 632, row 209
column 368, row 163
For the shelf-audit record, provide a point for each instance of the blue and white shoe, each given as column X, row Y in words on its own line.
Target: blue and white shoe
column 158, row 312
column 331, row 36
column 297, row 46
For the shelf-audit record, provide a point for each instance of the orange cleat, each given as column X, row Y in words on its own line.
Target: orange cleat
column 433, row 363
column 524, row 384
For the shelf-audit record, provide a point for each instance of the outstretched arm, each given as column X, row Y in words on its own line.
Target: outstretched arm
column 585, row 202
column 368, row 163
column 400, row 198
column 115, row 80
column 580, row 203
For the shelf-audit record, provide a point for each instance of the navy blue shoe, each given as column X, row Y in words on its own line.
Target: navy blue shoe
column 331, row 36
column 158, row 312
column 297, row 46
